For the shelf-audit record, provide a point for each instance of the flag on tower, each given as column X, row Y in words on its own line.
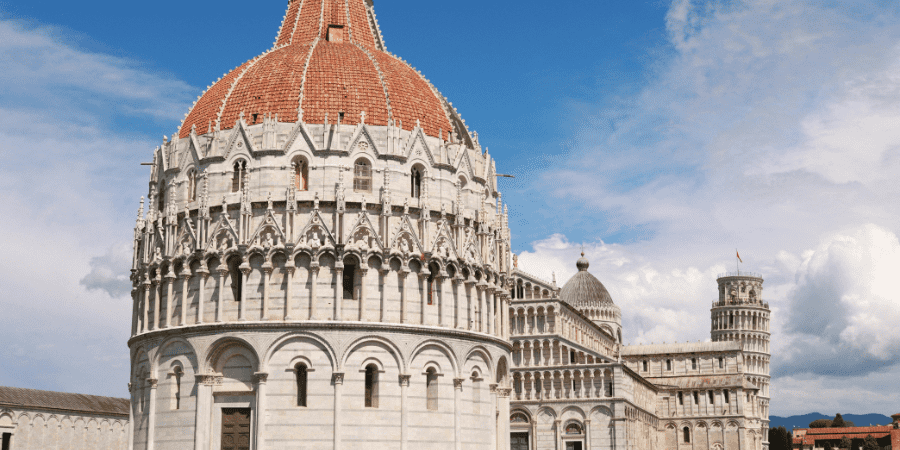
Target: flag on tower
column 738, row 256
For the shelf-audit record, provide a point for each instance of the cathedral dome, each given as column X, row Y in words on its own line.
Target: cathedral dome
column 328, row 63
column 584, row 290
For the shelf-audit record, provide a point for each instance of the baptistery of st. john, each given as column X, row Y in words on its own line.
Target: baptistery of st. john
column 323, row 258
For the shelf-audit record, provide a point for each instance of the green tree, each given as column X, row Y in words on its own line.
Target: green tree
column 827, row 446
column 845, row 443
column 820, row 423
column 838, row 421
column 780, row 439
column 870, row 443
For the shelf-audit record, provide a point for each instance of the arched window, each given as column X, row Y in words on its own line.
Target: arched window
column 573, row 428
column 371, row 386
column 302, row 373
column 362, row 176
column 234, row 272
column 177, row 374
column 415, row 180
column 301, row 173
column 431, row 389
column 518, row 418
column 687, row 435
column 192, row 186
column 237, row 179
column 348, row 282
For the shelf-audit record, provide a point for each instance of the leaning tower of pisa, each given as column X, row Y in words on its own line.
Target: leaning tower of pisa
column 741, row 315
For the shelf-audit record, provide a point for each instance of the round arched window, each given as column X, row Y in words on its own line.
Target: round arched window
column 573, row 428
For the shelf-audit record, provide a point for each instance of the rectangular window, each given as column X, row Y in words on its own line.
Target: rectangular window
column 6, row 438
column 696, row 398
column 645, row 366
column 681, row 399
column 726, row 397
column 721, row 363
column 712, row 398
column 572, row 357
column 349, row 279
column 693, row 363
column 668, row 365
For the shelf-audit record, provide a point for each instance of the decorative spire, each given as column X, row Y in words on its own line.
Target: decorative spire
column 291, row 205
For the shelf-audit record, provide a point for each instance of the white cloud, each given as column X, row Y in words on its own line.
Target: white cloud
column 771, row 126
column 68, row 186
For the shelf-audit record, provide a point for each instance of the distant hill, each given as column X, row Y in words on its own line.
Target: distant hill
column 860, row 420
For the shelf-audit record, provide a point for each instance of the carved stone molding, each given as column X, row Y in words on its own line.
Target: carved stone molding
column 338, row 378
column 260, row 377
column 404, row 380
column 152, row 383
column 458, row 382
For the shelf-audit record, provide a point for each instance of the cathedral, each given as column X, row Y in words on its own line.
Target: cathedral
column 325, row 263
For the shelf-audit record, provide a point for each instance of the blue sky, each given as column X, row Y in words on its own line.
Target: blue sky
column 659, row 135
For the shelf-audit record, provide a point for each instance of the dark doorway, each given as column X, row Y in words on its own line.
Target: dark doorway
column 235, row 428
column 518, row 441
column 573, row 445
column 6, row 438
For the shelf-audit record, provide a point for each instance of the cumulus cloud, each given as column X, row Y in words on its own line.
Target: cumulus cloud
column 108, row 272
column 770, row 127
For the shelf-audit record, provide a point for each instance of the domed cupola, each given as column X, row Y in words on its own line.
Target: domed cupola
column 589, row 296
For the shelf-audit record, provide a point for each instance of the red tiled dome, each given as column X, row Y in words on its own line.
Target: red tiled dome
column 328, row 58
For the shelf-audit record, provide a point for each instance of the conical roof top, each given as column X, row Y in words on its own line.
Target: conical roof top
column 328, row 59
column 584, row 290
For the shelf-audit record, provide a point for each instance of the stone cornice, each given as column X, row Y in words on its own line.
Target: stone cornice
column 317, row 325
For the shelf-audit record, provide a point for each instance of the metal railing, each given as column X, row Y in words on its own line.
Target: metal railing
column 740, row 274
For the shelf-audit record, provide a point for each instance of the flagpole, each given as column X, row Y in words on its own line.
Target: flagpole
column 736, row 264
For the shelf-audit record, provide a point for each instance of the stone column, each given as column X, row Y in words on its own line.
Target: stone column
column 170, row 278
column 289, row 291
column 267, row 279
column 259, row 379
column 558, row 424
column 363, row 270
column 145, row 323
column 338, row 417
column 157, row 287
column 245, row 277
column 587, row 434
column 314, row 281
column 151, row 413
column 404, row 308
column 203, row 411
column 503, row 418
column 220, row 300
column 404, row 412
column 423, row 281
column 201, row 309
column 135, row 309
column 494, row 416
column 482, row 309
column 186, row 278
column 457, row 412
column 383, row 273
column 459, row 310
column 338, row 292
